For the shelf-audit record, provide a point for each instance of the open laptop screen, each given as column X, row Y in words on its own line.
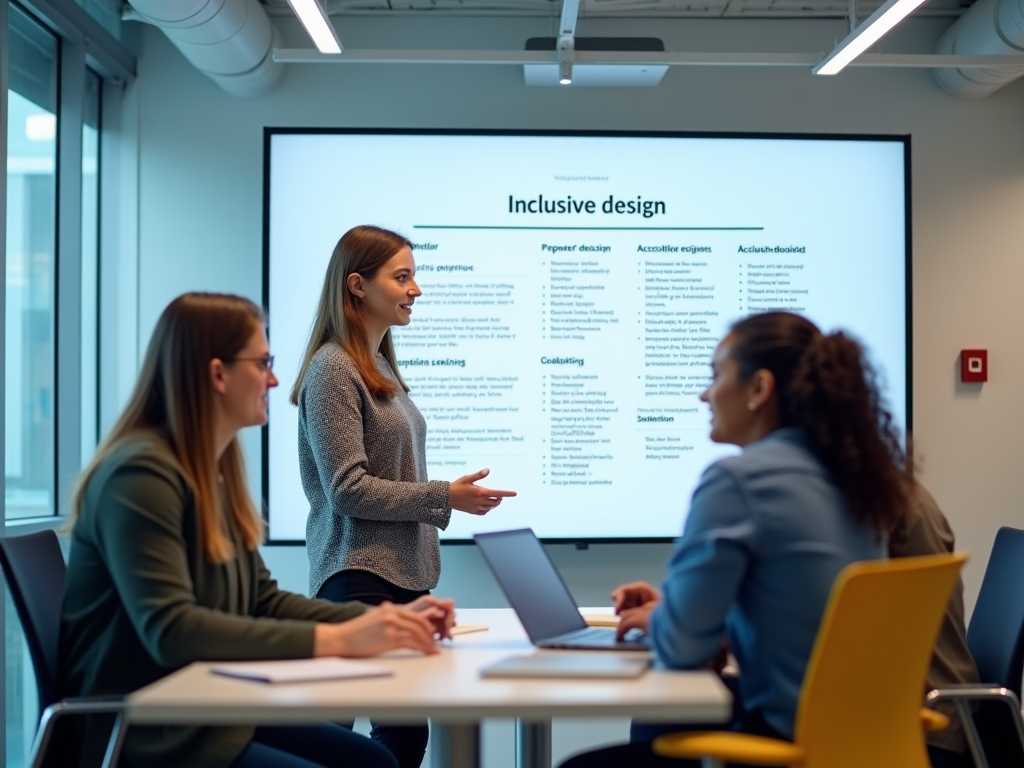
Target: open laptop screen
column 529, row 580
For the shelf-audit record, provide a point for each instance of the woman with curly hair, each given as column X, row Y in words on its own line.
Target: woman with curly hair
column 821, row 482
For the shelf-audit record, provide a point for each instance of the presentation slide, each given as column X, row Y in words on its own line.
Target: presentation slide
column 574, row 289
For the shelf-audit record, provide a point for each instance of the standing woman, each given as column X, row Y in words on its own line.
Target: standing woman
column 165, row 567
column 374, row 516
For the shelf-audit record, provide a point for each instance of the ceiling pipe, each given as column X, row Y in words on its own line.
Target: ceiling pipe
column 230, row 41
column 989, row 27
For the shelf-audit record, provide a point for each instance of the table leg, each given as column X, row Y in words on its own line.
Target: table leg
column 533, row 744
column 454, row 746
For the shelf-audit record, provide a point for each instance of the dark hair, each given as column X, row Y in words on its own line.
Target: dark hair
column 825, row 386
column 363, row 249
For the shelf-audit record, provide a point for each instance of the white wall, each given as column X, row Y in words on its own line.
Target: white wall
column 200, row 209
column 200, row 187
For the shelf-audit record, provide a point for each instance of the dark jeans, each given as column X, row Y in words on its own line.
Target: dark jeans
column 312, row 746
column 638, row 753
column 408, row 743
column 943, row 758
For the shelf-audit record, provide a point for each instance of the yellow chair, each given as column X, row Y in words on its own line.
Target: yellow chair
column 860, row 704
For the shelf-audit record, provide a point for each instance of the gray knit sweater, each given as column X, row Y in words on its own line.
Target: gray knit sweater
column 364, row 471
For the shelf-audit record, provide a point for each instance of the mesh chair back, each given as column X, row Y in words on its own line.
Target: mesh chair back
column 995, row 636
column 34, row 568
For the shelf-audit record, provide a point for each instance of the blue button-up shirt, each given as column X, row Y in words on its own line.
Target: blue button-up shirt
column 768, row 532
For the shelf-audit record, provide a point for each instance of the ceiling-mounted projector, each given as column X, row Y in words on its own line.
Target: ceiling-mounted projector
column 597, row 74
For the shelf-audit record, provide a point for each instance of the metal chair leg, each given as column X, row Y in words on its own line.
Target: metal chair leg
column 115, row 743
column 98, row 705
column 42, row 739
column 971, row 734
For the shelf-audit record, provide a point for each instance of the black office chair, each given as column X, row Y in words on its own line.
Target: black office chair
column 995, row 639
column 34, row 568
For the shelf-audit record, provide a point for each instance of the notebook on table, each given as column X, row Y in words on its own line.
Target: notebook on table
column 539, row 597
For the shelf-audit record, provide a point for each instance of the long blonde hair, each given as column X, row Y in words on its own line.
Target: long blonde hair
column 173, row 401
column 363, row 249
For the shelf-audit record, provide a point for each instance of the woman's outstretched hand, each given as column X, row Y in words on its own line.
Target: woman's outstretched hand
column 474, row 499
column 384, row 628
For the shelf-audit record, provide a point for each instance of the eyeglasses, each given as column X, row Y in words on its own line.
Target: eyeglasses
column 265, row 363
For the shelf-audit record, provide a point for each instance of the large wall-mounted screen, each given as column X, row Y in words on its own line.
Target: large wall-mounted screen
column 574, row 288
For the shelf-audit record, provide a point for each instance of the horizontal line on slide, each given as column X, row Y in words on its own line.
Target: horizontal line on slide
column 635, row 229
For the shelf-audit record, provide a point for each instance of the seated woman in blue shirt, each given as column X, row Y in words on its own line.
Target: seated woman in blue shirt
column 821, row 481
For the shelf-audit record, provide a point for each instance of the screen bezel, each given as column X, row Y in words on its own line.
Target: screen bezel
column 582, row 541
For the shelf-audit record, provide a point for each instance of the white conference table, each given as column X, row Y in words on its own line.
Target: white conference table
column 446, row 688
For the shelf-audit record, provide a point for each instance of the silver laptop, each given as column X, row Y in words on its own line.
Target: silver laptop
column 539, row 597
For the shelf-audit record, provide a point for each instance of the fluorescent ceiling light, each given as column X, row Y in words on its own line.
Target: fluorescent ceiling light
column 870, row 32
column 314, row 19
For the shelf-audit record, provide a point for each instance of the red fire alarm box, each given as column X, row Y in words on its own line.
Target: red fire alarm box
column 973, row 365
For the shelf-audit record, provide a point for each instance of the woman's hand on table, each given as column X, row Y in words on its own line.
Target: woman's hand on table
column 386, row 627
column 475, row 499
column 440, row 612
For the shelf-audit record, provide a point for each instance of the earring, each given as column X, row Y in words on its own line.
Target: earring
column 752, row 405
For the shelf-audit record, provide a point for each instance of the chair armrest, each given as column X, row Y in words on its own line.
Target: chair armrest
column 729, row 748
column 960, row 695
column 976, row 692
column 82, row 705
column 86, row 705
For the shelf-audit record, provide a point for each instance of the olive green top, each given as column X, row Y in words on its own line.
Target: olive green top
column 142, row 601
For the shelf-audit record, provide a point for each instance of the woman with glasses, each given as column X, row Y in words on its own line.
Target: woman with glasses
column 165, row 567
column 374, row 515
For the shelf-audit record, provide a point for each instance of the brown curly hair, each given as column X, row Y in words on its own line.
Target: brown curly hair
column 826, row 387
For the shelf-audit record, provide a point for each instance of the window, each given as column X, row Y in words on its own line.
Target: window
column 31, row 260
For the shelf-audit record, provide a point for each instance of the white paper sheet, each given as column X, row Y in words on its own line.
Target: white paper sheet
column 300, row 670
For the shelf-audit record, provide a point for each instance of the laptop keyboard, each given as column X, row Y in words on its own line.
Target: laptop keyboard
column 589, row 635
column 594, row 637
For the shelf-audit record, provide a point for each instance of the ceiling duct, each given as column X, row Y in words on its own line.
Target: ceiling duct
column 230, row 41
column 989, row 27
column 598, row 74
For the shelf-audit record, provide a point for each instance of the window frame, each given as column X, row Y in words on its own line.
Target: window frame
column 83, row 45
